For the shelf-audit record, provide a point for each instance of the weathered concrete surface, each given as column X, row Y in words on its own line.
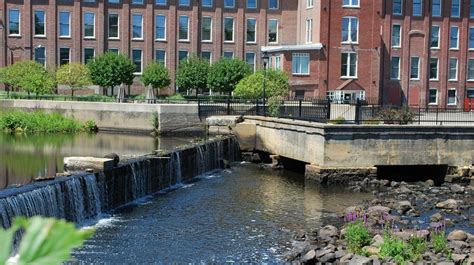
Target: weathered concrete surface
column 359, row 146
column 76, row 164
column 124, row 117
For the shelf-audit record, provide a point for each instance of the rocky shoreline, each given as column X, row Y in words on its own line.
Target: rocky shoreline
column 436, row 221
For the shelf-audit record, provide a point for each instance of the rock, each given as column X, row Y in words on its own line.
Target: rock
column 77, row 164
column 403, row 190
column 458, row 245
column 447, row 204
column 323, row 252
column 114, row 157
column 458, row 235
column 371, row 250
column 360, row 260
column 394, row 184
column 309, row 256
column 340, row 254
column 403, row 206
column 378, row 210
column 328, row 231
column 457, row 188
column 346, row 258
column 470, row 259
column 429, row 183
column 330, row 257
column 385, row 182
column 436, row 218
column 377, row 241
column 458, row 258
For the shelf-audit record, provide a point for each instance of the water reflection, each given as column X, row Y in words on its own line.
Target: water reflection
column 25, row 157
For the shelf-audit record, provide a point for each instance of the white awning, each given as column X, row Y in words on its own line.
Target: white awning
column 301, row 47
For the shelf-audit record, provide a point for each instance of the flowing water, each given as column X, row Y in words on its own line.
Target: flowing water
column 246, row 214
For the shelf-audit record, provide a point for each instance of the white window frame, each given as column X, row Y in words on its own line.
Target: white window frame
column 141, row 61
column 467, row 70
column 309, row 3
column 19, row 22
column 34, row 54
column 439, row 37
column 187, row 32
column 210, row 55
column 459, row 9
column 413, row 8
column 457, row 38
column 164, row 61
column 449, row 69
column 246, row 30
column 141, row 27
column 44, row 25
column 59, row 54
column 84, row 53
column 299, row 54
column 437, row 69
column 93, row 35
column 254, row 59
column 401, row 8
column 399, row 34
column 165, row 27
column 348, row 70
column 455, row 97
column 470, row 38
column 228, row 51
column 59, row 25
column 187, row 55
column 202, row 30
column 418, row 67
column 391, row 68
column 233, row 30
column 440, row 9
column 309, row 30
column 349, row 35
column 118, row 26
column 278, row 62
column 437, row 96
column 274, row 8
column 277, row 31
column 351, row 3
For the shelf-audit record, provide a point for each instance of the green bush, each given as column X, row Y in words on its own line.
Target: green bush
column 357, row 237
column 176, row 96
column 338, row 120
column 225, row 74
column 30, row 76
column 156, row 75
column 440, row 243
column 276, row 85
column 74, row 75
column 417, row 246
column 400, row 116
column 192, row 74
column 394, row 247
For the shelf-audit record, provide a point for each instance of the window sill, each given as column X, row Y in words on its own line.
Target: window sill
column 228, row 41
column 395, row 79
column 349, row 43
column 15, row 35
column 435, row 48
column 396, row 47
column 296, row 74
column 348, row 77
column 454, row 49
column 433, row 104
column 65, row 37
column 137, row 73
column 452, row 104
column 113, row 38
column 89, row 38
column 452, row 80
column 183, row 41
column 251, row 43
column 137, row 39
column 355, row 7
column 206, row 41
column 434, row 80
column 39, row 36
column 414, row 79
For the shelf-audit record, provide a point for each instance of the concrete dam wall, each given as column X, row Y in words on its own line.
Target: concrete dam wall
column 85, row 196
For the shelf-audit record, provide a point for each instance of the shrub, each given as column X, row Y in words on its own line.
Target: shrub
column 225, row 74
column 156, row 75
column 192, row 74
column 274, row 106
column 74, row 75
column 357, row 236
column 395, row 248
column 417, row 247
column 30, row 76
column 391, row 116
column 176, row 96
column 90, row 126
column 440, row 242
column 252, row 86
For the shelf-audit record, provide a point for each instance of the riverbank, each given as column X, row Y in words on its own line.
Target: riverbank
column 406, row 222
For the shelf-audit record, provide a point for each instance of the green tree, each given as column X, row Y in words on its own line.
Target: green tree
column 225, row 74
column 74, row 75
column 110, row 70
column 30, row 76
column 277, row 85
column 156, row 75
column 192, row 74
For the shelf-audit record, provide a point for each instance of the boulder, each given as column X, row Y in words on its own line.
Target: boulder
column 378, row 210
column 458, row 235
column 457, row 188
column 340, row 254
column 328, row 231
column 458, row 258
column 372, row 251
column 328, row 258
column 377, row 241
column 403, row 206
column 346, row 258
column 309, row 256
column 360, row 260
column 323, row 252
column 436, row 218
column 458, row 245
column 384, row 182
column 449, row 204
column 114, row 157
column 429, row 183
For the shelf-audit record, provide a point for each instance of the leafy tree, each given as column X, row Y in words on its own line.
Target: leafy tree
column 156, row 75
column 110, row 70
column 252, row 86
column 29, row 76
column 45, row 241
column 225, row 74
column 74, row 75
column 192, row 74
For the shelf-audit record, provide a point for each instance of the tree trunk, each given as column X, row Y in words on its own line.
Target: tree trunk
column 72, row 92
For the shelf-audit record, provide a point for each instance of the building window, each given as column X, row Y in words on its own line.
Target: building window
column 114, row 1
column 454, row 38
column 434, row 44
column 206, row 24
column 309, row 30
column 433, row 96
column 137, row 60
column 433, row 68
column 471, row 38
column 453, row 69
column 251, row 4
column 395, row 68
column 89, row 54
column 455, row 8
column 309, row 3
column 207, row 3
column 350, row 3
column 40, row 55
column 452, row 97
column 13, row 22
column 470, row 69
column 137, row 2
column 300, row 64
column 229, row 3
column 137, row 27
column 113, row 26
column 160, row 27
column 206, row 55
column 113, row 50
column 64, row 55
column 250, row 59
column 182, row 55
column 348, row 65
column 228, row 29
column 64, row 24
column 396, row 36
column 160, row 2
column 436, row 8
column 273, row 31
column 350, row 28
column 89, row 25
column 183, row 28
column 273, row 4
column 415, row 68
column 417, row 8
column 397, row 7
column 251, row 30
column 183, row 2
column 40, row 20
column 89, row 1
column 471, row 9
column 160, row 56
column 228, row 54
column 277, row 62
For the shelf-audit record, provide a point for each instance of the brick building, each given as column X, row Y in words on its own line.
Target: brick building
column 416, row 52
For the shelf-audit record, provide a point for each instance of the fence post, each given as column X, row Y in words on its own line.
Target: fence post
column 299, row 108
column 228, row 106
column 419, row 115
column 199, row 108
column 437, row 110
column 357, row 111
column 257, row 110
column 328, row 110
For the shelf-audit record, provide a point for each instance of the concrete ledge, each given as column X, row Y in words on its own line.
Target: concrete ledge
column 338, row 175
column 89, row 164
